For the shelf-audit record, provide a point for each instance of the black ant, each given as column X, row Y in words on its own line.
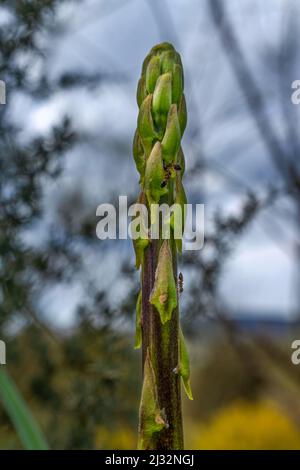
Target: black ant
column 177, row 167
column 180, row 283
column 168, row 173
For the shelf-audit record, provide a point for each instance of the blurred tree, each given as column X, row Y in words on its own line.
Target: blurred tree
column 25, row 162
column 75, row 390
column 73, row 383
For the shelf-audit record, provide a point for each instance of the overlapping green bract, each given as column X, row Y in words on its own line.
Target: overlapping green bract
column 162, row 117
column 153, row 418
column 184, row 365
column 138, row 325
column 140, row 243
column 164, row 294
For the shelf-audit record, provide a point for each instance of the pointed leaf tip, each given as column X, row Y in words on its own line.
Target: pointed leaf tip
column 145, row 124
column 138, row 322
column 162, row 96
column 152, row 73
column 178, row 216
column 184, row 366
column 152, row 419
column 139, row 155
column 164, row 294
column 154, row 175
column 141, row 243
column 182, row 114
column 172, row 137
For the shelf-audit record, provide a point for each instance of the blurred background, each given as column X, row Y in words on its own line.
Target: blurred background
column 67, row 299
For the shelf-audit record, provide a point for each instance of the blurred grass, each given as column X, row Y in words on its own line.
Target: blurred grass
column 20, row 415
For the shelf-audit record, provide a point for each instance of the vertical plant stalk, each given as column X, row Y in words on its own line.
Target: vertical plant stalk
column 160, row 162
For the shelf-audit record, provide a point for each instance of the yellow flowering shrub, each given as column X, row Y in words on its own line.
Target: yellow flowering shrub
column 243, row 426
column 121, row 438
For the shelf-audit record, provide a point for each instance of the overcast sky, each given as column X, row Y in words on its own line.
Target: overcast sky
column 113, row 37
